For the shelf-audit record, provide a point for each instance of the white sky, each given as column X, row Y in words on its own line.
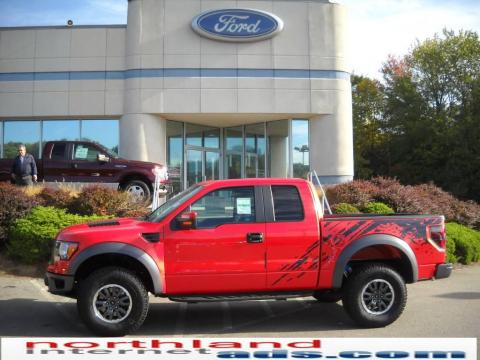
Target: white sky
column 381, row 27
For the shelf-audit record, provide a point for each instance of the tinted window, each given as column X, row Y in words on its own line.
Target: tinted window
column 85, row 152
column 225, row 206
column 58, row 151
column 287, row 203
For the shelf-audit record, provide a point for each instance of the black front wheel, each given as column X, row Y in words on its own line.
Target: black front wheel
column 112, row 302
column 374, row 295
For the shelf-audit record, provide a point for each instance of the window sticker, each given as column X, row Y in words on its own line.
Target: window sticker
column 244, row 206
column 197, row 208
column 81, row 152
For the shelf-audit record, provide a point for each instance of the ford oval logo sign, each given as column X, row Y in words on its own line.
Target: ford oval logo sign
column 237, row 24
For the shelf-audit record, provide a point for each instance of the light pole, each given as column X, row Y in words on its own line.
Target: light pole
column 303, row 149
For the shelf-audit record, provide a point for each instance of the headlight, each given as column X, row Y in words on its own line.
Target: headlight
column 64, row 250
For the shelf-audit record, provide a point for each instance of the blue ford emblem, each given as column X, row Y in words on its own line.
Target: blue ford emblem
column 237, row 24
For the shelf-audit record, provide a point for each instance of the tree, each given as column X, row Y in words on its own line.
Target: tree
column 422, row 123
column 369, row 140
column 442, row 138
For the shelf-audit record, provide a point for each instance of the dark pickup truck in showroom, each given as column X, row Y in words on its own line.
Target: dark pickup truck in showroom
column 245, row 239
column 89, row 162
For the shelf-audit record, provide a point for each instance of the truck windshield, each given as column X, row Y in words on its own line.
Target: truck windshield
column 166, row 208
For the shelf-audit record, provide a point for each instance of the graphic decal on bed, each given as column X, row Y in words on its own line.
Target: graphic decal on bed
column 338, row 233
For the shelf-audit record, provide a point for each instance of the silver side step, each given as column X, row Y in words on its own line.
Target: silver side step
column 240, row 297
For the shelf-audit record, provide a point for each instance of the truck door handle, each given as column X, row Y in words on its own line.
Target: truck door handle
column 254, row 238
column 74, row 166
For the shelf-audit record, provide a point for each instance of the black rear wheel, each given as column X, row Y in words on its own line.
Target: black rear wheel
column 375, row 295
column 112, row 302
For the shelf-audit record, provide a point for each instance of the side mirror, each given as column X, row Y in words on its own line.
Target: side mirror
column 187, row 221
column 103, row 158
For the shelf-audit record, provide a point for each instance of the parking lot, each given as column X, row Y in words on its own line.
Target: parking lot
column 443, row 308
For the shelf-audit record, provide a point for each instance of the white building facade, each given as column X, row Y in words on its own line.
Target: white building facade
column 209, row 106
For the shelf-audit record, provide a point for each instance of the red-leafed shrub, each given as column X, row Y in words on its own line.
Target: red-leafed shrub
column 14, row 204
column 99, row 200
column 358, row 192
column 58, row 198
column 419, row 199
column 467, row 213
column 403, row 199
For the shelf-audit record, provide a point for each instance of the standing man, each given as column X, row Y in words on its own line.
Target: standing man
column 24, row 168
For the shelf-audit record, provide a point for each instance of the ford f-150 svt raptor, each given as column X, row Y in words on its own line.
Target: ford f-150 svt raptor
column 245, row 239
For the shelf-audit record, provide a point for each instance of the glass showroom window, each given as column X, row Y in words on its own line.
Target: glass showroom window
column 202, row 153
column 175, row 154
column 211, row 138
column 21, row 132
column 105, row 132
column 194, row 134
column 55, row 130
column 202, row 136
column 233, row 152
column 301, row 148
column 255, row 148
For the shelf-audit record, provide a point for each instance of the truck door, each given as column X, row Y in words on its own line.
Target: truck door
column 55, row 162
column 225, row 252
column 292, row 238
column 85, row 166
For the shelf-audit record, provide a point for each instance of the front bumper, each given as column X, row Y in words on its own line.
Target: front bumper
column 59, row 284
column 443, row 271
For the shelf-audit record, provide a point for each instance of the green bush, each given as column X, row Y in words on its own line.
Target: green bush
column 467, row 242
column 31, row 238
column 14, row 204
column 100, row 200
column 377, row 208
column 451, row 257
column 344, row 208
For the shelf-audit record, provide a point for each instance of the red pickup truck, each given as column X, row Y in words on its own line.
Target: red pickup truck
column 245, row 239
column 84, row 161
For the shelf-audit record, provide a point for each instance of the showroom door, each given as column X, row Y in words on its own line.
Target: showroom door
column 201, row 165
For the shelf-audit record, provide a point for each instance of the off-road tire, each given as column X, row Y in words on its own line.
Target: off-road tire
column 328, row 296
column 366, row 295
column 115, row 278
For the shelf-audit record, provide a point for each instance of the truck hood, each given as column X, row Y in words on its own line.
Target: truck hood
column 116, row 230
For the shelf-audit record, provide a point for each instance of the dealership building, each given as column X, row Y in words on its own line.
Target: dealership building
column 213, row 88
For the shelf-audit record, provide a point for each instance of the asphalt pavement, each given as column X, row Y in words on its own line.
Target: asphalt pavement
column 440, row 308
